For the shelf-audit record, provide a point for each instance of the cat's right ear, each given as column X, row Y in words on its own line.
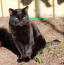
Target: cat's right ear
column 10, row 11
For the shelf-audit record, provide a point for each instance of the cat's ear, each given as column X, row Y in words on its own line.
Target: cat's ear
column 10, row 11
column 26, row 9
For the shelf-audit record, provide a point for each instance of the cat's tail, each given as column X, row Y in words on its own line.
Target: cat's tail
column 54, row 42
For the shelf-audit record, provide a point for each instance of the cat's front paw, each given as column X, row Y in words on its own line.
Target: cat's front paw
column 19, row 60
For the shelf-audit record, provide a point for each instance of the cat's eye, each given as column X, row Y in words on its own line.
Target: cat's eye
column 16, row 18
column 24, row 17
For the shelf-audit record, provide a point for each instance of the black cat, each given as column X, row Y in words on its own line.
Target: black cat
column 26, row 36
column 25, row 40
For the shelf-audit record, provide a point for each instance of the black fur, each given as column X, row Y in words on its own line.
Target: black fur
column 25, row 37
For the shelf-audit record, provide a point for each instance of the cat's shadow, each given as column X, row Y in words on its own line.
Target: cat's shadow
column 7, row 41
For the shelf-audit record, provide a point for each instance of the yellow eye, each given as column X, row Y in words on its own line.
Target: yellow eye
column 24, row 17
column 16, row 18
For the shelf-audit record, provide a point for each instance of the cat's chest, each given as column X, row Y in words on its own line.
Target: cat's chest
column 21, row 33
column 23, row 29
column 20, row 29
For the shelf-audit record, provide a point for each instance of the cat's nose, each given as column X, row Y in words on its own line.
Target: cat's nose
column 20, row 18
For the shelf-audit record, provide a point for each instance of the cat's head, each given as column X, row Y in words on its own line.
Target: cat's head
column 19, row 14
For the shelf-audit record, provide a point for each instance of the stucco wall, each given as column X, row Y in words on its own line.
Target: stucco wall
column 6, row 4
column 31, row 9
column 59, row 9
column 44, row 10
column 0, row 9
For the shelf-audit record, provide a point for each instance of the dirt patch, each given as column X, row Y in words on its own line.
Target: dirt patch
column 51, row 30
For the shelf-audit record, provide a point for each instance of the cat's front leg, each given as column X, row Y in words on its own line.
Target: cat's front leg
column 28, row 51
column 28, row 47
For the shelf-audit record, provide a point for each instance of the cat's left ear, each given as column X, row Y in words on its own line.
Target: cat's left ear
column 10, row 11
column 26, row 9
